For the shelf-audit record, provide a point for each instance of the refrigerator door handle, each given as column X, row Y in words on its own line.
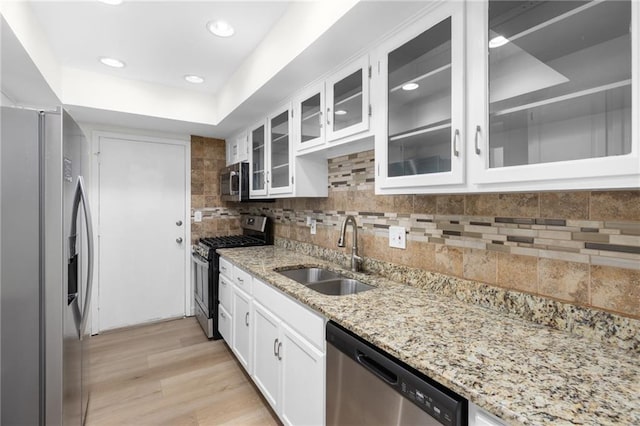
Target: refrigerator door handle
column 81, row 196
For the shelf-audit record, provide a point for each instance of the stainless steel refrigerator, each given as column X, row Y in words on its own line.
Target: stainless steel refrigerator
column 46, row 270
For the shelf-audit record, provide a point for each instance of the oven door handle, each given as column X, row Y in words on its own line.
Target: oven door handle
column 198, row 261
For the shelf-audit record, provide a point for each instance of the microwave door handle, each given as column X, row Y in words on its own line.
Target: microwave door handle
column 80, row 196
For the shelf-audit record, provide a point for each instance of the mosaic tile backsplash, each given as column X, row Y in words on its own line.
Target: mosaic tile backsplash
column 581, row 248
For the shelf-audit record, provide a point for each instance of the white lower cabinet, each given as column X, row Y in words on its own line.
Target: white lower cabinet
column 479, row 417
column 302, row 390
column 241, row 328
column 280, row 343
column 288, row 370
column 224, row 323
column 266, row 372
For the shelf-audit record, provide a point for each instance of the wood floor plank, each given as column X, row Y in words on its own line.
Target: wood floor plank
column 169, row 373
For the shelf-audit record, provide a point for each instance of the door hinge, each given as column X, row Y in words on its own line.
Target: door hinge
column 291, row 180
column 378, row 169
column 291, row 113
column 370, row 111
column 369, row 71
column 378, row 67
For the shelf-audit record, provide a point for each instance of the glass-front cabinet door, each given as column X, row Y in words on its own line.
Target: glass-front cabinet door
column 422, row 82
column 559, row 86
column 257, row 162
column 279, row 177
column 347, row 111
column 309, row 118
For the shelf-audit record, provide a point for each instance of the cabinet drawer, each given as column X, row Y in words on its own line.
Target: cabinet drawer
column 224, row 324
column 224, row 292
column 226, row 268
column 242, row 279
column 302, row 319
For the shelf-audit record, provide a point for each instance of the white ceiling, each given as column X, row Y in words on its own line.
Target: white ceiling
column 160, row 41
column 163, row 41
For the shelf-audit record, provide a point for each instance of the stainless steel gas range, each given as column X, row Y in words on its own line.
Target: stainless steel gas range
column 256, row 231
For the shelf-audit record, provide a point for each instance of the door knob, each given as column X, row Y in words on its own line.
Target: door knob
column 179, row 240
column 179, row 223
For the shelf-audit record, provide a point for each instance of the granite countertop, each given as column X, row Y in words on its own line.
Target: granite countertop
column 522, row 372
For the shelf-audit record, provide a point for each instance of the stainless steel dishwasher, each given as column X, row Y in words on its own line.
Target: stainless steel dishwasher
column 366, row 386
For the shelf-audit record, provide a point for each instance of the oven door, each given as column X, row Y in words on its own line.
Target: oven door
column 200, row 275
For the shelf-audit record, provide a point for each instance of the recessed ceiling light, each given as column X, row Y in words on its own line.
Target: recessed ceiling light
column 195, row 79
column 112, row 62
column 498, row 41
column 112, row 2
column 410, row 86
column 220, row 28
column 340, row 112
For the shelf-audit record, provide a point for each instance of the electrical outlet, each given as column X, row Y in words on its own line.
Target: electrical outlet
column 308, row 220
column 398, row 237
column 197, row 216
column 313, row 227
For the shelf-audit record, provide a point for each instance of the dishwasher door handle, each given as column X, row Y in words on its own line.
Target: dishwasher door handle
column 377, row 369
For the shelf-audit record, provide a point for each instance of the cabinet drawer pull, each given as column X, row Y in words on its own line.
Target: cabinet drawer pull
column 279, row 348
column 275, row 348
column 246, row 319
column 476, row 140
column 321, row 121
column 328, row 115
column 456, row 136
column 240, row 279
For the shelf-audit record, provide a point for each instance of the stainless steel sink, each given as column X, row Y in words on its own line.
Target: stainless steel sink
column 310, row 275
column 325, row 281
column 339, row 287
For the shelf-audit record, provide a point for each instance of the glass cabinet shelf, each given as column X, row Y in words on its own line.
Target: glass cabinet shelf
column 445, row 124
column 569, row 96
column 279, row 138
column 419, row 78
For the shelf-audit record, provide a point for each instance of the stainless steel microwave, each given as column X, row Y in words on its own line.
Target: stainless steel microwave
column 234, row 182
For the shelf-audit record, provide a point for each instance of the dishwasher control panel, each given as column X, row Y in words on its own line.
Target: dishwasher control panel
column 439, row 410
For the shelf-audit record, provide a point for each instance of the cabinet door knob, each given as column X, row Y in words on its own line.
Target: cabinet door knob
column 179, row 223
column 275, row 348
column 279, row 348
column 328, row 115
column 246, row 319
column 179, row 240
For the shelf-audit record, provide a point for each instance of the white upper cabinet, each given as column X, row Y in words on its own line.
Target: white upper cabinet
column 237, row 148
column 258, row 160
column 309, row 113
column 347, row 97
column 275, row 171
column 279, row 171
column 420, row 139
column 553, row 94
column 334, row 111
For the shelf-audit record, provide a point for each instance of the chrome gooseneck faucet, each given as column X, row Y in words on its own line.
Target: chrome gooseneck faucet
column 355, row 259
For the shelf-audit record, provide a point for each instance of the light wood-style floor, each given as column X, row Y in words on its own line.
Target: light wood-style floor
column 169, row 373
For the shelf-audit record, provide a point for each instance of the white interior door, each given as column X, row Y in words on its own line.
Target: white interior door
column 142, row 231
